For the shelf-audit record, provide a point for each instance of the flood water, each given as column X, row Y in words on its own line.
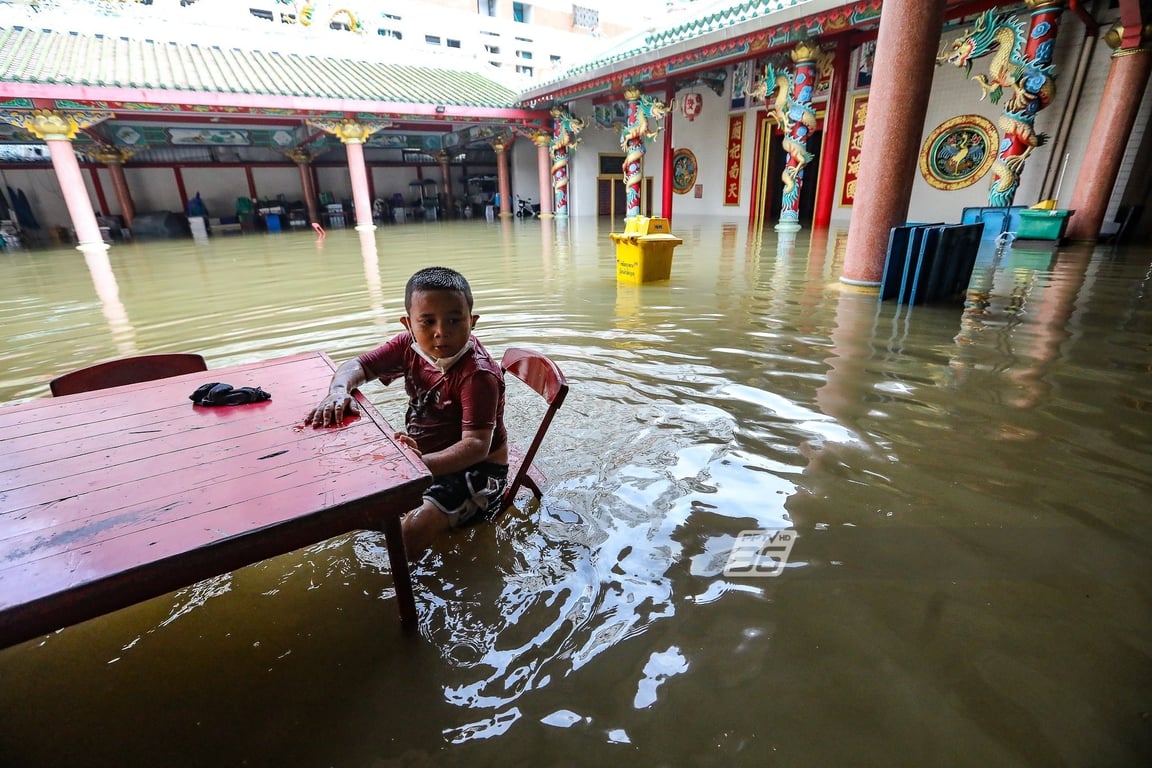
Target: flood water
column 965, row 490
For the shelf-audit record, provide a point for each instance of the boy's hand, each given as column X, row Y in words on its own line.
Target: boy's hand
column 406, row 439
column 332, row 410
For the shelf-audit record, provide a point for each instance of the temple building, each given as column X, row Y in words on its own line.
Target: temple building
column 853, row 115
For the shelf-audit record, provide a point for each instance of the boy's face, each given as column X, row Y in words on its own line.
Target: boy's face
column 440, row 321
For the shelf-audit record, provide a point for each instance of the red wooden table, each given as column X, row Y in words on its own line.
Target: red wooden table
column 112, row 497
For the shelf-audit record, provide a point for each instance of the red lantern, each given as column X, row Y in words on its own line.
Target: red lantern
column 693, row 103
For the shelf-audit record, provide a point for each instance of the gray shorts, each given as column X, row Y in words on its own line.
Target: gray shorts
column 469, row 496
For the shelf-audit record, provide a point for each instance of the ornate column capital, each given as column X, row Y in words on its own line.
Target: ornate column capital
column 500, row 145
column 300, row 156
column 632, row 93
column 807, row 50
column 542, row 138
column 113, row 155
column 53, row 124
column 1034, row 5
column 348, row 130
column 1114, row 37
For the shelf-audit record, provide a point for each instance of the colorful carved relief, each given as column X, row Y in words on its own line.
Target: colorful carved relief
column 644, row 115
column 684, row 171
column 958, row 152
column 565, row 136
column 1020, row 73
column 796, row 117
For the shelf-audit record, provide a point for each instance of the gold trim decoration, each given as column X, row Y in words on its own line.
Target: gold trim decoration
column 684, row 171
column 959, row 152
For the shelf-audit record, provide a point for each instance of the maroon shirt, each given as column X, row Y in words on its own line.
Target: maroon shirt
column 469, row 396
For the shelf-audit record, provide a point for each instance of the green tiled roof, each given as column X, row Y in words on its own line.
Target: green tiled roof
column 69, row 58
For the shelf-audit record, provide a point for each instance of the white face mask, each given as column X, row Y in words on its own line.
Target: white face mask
column 443, row 363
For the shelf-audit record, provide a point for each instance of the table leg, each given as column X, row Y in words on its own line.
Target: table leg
column 401, row 575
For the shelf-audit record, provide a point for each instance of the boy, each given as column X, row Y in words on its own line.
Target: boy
column 455, row 418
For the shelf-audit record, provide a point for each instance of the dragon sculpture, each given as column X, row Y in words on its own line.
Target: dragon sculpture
column 792, row 108
column 643, row 112
column 565, row 136
column 1028, row 81
column 305, row 14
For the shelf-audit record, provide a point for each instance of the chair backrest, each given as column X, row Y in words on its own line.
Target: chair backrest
column 545, row 378
column 128, row 370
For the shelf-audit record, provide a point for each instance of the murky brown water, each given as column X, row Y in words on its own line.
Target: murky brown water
column 969, row 583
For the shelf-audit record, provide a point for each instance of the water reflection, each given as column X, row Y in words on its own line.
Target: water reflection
column 104, row 280
column 968, row 485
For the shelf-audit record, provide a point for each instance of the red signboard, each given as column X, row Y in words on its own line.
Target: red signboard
column 735, row 149
column 855, row 146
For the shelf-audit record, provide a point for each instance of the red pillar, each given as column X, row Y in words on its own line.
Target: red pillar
column 303, row 163
column 123, row 194
column 98, row 188
column 1115, row 118
column 446, row 172
column 669, row 152
column 833, row 130
column 905, row 61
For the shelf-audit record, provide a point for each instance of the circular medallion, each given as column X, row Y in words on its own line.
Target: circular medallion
column 683, row 171
column 958, row 152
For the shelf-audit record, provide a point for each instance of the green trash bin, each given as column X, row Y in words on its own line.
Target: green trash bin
column 1043, row 225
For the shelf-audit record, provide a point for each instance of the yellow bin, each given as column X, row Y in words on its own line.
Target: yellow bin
column 644, row 250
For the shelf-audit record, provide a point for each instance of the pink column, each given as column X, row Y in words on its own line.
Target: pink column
column 905, row 61
column 1115, row 118
column 361, row 197
column 544, row 171
column 502, row 178
column 75, row 194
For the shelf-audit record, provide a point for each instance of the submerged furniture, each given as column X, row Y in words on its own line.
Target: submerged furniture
column 545, row 378
column 113, row 497
column 127, row 370
column 929, row 263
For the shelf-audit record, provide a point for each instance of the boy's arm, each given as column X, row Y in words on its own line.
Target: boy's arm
column 473, row 448
column 338, row 402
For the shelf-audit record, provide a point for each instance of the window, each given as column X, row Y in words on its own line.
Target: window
column 492, row 49
column 522, row 12
column 554, row 59
column 261, row 14
column 524, row 70
column 486, row 7
column 452, row 43
column 395, row 34
column 585, row 18
column 524, row 54
column 431, row 39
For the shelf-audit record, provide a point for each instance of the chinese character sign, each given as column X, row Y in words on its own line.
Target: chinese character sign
column 855, row 146
column 735, row 150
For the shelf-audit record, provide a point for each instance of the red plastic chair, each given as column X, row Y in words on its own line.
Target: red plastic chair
column 128, row 370
column 545, row 378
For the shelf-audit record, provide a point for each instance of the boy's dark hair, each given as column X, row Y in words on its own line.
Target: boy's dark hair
column 436, row 279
